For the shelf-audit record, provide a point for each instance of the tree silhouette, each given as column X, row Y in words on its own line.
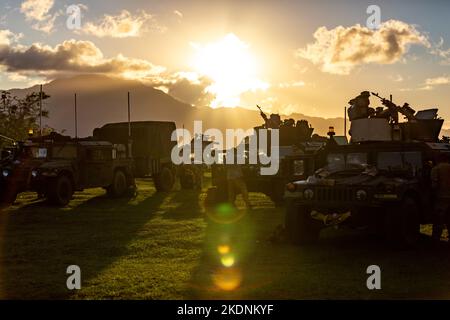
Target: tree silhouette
column 19, row 115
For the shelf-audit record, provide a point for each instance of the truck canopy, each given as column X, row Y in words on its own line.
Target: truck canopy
column 150, row 139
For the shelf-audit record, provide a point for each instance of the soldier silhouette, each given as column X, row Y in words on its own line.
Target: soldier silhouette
column 440, row 179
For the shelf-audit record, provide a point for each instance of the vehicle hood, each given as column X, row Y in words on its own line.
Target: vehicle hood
column 55, row 164
column 368, row 178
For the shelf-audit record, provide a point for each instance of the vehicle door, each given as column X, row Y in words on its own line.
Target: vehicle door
column 97, row 166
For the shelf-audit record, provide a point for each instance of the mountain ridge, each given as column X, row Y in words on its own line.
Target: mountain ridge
column 102, row 99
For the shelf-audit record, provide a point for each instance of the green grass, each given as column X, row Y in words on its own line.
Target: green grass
column 165, row 246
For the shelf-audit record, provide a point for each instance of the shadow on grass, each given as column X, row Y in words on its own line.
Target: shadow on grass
column 40, row 242
column 335, row 268
column 186, row 205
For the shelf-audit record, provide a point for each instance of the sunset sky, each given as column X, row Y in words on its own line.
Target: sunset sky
column 287, row 56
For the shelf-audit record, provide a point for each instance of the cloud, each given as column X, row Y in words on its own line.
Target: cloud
column 396, row 78
column 430, row 83
column 439, row 50
column 437, row 81
column 340, row 50
column 179, row 14
column 188, row 87
column 38, row 11
column 123, row 25
column 293, row 84
column 72, row 56
column 7, row 37
column 38, row 61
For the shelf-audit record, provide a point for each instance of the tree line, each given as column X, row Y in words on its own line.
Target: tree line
column 20, row 115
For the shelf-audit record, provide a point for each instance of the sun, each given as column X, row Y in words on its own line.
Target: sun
column 231, row 67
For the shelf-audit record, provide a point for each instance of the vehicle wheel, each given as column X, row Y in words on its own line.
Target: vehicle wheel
column 61, row 191
column 119, row 185
column 165, row 180
column 187, row 179
column 300, row 227
column 403, row 223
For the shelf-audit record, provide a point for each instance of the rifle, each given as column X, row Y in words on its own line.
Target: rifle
column 383, row 100
column 405, row 110
column 263, row 115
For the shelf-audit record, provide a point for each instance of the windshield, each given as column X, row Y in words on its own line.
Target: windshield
column 64, row 152
column 399, row 161
column 338, row 161
column 34, row 153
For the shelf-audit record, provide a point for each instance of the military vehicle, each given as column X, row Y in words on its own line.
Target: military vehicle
column 67, row 165
column 297, row 149
column 149, row 144
column 380, row 180
column 16, row 164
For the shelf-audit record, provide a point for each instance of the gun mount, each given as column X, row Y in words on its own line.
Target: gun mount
column 382, row 123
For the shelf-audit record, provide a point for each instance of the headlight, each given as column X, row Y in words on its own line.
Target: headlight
column 308, row 194
column 34, row 173
column 5, row 173
column 361, row 195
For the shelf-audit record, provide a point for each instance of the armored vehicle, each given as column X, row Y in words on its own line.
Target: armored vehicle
column 149, row 144
column 75, row 164
column 297, row 150
column 380, row 180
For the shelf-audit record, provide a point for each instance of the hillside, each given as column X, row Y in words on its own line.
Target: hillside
column 102, row 99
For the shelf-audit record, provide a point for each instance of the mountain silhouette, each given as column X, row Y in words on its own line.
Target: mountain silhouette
column 102, row 99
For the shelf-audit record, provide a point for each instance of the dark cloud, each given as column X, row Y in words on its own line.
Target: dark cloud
column 72, row 56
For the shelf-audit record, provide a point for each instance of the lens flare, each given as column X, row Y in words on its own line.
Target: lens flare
column 227, row 279
column 227, row 260
column 223, row 249
column 225, row 213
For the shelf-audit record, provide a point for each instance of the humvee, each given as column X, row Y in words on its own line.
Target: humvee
column 297, row 150
column 77, row 164
column 380, row 180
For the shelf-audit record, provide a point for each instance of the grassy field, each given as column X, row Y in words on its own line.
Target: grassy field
column 168, row 246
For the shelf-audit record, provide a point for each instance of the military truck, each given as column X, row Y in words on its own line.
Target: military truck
column 149, row 144
column 297, row 149
column 16, row 164
column 380, row 180
column 71, row 165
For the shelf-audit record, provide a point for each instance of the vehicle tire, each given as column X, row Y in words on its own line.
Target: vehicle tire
column 187, row 179
column 300, row 227
column 164, row 180
column 119, row 186
column 60, row 191
column 403, row 223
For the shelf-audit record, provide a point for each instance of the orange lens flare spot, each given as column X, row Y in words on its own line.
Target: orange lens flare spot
column 223, row 249
column 227, row 279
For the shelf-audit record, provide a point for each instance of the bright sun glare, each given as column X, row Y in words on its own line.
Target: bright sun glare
column 232, row 68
